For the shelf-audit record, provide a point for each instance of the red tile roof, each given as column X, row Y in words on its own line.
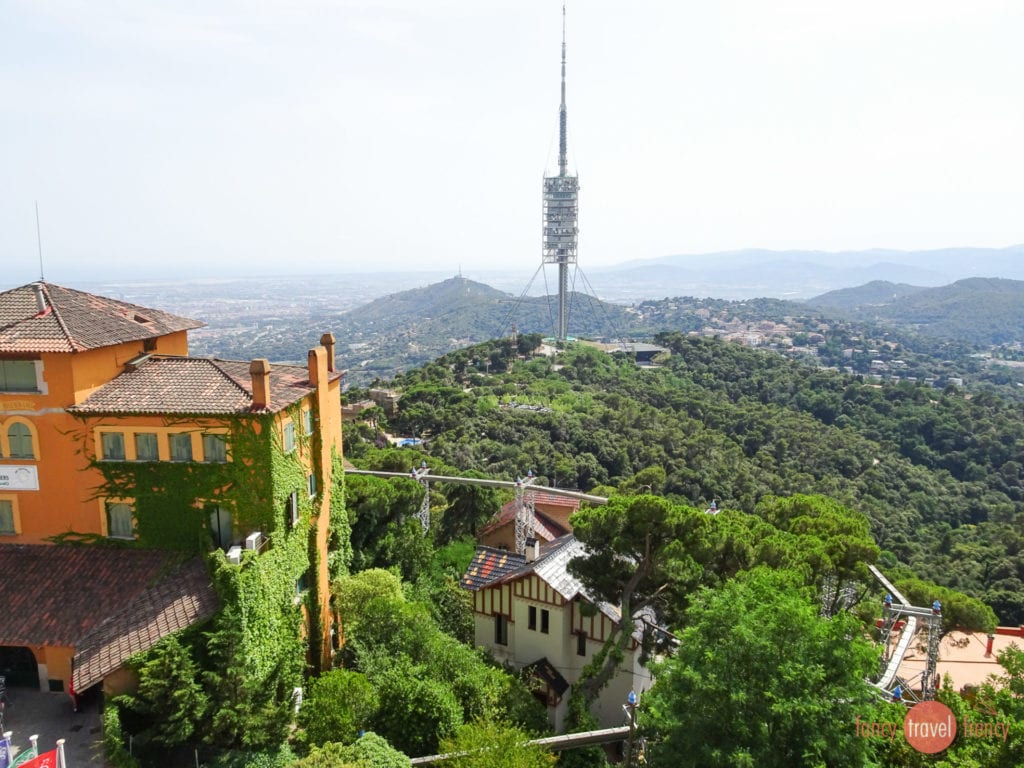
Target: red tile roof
column 53, row 595
column 195, row 386
column 42, row 317
column 180, row 600
column 543, row 526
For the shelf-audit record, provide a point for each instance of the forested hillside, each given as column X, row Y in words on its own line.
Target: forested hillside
column 940, row 475
column 978, row 310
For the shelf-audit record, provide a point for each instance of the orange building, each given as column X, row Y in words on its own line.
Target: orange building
column 110, row 431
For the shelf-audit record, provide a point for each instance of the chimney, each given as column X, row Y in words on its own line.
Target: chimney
column 260, row 371
column 40, row 298
column 327, row 341
column 532, row 549
column 988, row 645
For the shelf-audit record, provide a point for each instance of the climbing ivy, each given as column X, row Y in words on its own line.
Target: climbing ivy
column 253, row 655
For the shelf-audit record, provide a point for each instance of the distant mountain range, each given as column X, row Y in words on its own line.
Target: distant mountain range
column 979, row 310
column 756, row 273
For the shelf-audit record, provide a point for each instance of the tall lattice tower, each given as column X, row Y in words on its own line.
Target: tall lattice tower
column 561, row 208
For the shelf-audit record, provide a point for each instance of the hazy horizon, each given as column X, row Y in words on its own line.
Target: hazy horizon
column 339, row 136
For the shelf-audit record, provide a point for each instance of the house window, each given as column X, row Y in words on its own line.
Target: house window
column 181, row 446
column 7, row 518
column 112, row 445
column 307, row 421
column 291, row 509
column 18, row 376
column 19, row 437
column 147, row 448
column 531, row 615
column 545, row 620
column 215, row 448
column 581, row 644
column 289, row 437
column 220, row 526
column 311, row 480
column 120, row 524
column 500, row 629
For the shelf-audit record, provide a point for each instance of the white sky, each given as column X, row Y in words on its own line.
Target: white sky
column 215, row 137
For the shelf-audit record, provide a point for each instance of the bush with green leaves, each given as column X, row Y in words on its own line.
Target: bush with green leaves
column 340, row 703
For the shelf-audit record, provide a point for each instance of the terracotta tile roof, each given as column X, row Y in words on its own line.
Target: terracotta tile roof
column 195, row 386
column 544, row 527
column 53, row 595
column 180, row 600
column 73, row 321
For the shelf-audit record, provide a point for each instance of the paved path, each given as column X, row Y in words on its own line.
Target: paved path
column 50, row 716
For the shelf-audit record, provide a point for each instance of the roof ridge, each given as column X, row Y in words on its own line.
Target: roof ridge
column 45, row 287
column 215, row 363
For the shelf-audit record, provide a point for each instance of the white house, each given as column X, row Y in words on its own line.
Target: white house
column 530, row 612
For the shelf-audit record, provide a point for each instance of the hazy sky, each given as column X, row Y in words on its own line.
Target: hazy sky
column 215, row 137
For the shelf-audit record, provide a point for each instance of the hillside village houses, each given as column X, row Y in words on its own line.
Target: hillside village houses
column 111, row 434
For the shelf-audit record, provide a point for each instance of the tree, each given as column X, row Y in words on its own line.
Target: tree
column 639, row 551
column 370, row 751
column 760, row 679
column 489, row 744
column 339, row 705
column 168, row 696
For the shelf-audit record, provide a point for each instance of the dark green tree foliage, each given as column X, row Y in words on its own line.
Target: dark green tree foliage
column 427, row 681
column 340, row 703
column 370, row 751
column 486, row 744
column 937, row 475
column 169, row 697
column 760, row 679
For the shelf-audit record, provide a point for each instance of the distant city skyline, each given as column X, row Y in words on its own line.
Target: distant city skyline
column 220, row 138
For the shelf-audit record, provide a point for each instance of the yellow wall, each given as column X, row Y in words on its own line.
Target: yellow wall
column 64, row 500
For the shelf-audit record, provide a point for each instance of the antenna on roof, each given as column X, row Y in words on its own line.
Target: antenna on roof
column 39, row 242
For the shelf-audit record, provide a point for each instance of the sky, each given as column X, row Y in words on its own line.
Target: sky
column 229, row 138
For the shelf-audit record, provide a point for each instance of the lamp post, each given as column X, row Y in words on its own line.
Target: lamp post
column 630, row 709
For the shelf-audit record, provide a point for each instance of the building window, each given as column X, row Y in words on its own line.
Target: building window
column 7, row 527
column 112, row 445
column 545, row 620
column 291, row 510
column 307, row 421
column 500, row 630
column 289, row 437
column 220, row 526
column 18, row 376
column 581, row 644
column 311, row 480
column 120, row 523
column 147, row 447
column 531, row 615
column 215, row 448
column 181, row 446
column 19, row 438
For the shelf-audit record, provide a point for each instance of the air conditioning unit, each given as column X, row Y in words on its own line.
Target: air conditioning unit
column 235, row 555
column 253, row 541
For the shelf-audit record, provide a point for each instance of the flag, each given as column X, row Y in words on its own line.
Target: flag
column 5, row 753
column 24, row 756
column 45, row 760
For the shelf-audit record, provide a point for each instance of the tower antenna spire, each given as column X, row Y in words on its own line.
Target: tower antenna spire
column 562, row 115
column 561, row 202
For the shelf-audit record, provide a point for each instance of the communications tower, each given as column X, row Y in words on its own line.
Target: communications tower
column 561, row 207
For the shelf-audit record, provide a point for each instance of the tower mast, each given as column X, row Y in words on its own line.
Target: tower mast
column 561, row 206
